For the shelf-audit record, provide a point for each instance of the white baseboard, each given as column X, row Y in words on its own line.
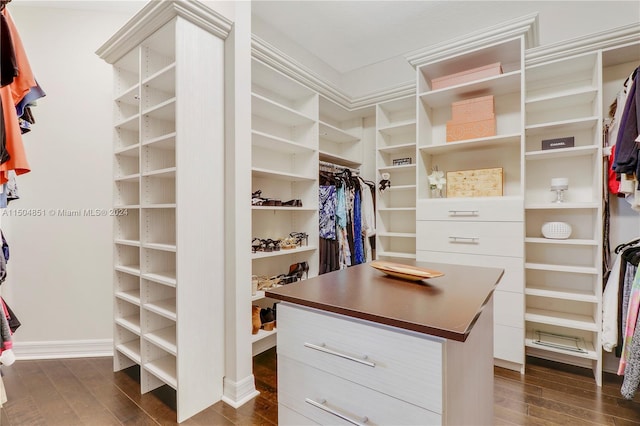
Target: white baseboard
column 238, row 393
column 63, row 349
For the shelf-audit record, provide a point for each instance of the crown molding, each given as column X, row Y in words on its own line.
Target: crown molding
column 392, row 93
column 275, row 58
column 153, row 16
column 613, row 38
column 526, row 25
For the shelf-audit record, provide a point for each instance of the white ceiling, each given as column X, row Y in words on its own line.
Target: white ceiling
column 348, row 35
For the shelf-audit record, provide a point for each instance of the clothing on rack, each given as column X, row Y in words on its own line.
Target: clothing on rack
column 347, row 218
column 19, row 91
column 621, row 315
column 624, row 161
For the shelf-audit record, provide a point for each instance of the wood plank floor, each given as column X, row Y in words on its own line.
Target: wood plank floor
column 85, row 391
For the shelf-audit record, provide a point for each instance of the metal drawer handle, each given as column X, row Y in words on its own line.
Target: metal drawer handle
column 322, row 348
column 469, row 240
column 464, row 212
column 321, row 405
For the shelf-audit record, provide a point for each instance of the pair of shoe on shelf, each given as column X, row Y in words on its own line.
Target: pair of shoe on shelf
column 263, row 318
column 259, row 244
column 258, row 200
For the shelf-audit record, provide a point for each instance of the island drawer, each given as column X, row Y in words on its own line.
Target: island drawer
column 365, row 353
column 329, row 399
column 480, row 209
column 487, row 238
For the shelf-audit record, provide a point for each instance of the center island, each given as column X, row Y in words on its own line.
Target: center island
column 357, row 346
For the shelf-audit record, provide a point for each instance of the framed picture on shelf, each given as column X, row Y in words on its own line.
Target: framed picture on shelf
column 402, row 161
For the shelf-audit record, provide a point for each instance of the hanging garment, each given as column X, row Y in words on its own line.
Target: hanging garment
column 327, row 212
column 344, row 258
column 610, row 307
column 357, row 230
column 631, row 378
column 8, row 61
column 368, row 215
column 626, row 155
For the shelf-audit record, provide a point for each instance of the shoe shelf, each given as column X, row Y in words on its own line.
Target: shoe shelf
column 162, row 277
column 131, row 296
column 262, row 334
column 130, row 322
column 162, row 148
column 284, row 167
column 131, row 350
column 163, row 369
column 581, row 349
column 283, row 252
column 164, row 338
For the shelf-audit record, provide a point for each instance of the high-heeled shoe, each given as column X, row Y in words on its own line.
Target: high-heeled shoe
column 305, row 269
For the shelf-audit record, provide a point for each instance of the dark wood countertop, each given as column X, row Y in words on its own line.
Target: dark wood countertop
column 446, row 306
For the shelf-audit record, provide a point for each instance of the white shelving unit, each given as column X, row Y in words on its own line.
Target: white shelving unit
column 396, row 205
column 564, row 277
column 284, row 164
column 479, row 231
column 168, row 273
column 340, row 134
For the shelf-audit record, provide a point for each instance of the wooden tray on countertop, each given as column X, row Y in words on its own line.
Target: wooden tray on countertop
column 406, row 272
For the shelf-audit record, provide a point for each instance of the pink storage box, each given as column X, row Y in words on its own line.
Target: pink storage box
column 475, row 109
column 466, row 76
column 463, row 130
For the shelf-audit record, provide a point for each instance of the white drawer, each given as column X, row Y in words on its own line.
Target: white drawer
column 470, row 209
column 286, row 416
column 508, row 308
column 508, row 343
column 402, row 364
column 506, row 238
column 512, row 280
column 329, row 399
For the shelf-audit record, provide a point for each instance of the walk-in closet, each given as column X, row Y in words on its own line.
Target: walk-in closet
column 172, row 170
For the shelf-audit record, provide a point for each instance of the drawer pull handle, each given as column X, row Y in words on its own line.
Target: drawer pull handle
column 321, row 405
column 464, row 212
column 468, row 240
column 324, row 349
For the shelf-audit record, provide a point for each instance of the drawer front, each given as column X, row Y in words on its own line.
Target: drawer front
column 512, row 280
column 402, row 364
column 481, row 209
column 490, row 238
column 510, row 308
column 508, row 343
column 286, row 416
column 329, row 399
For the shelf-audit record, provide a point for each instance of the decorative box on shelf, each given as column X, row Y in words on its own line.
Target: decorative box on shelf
column 471, row 118
column 466, row 76
column 473, row 109
column 402, row 161
column 459, row 131
column 556, row 143
column 475, row 183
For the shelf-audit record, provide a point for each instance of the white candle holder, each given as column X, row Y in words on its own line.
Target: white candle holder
column 559, row 185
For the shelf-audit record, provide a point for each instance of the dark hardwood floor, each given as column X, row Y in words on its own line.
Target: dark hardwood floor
column 85, row 391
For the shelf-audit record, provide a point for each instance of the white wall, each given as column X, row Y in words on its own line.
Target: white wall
column 59, row 275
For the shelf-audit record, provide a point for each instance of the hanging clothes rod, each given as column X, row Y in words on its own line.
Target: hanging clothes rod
column 331, row 167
